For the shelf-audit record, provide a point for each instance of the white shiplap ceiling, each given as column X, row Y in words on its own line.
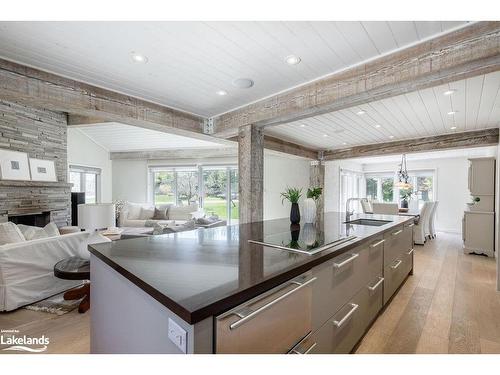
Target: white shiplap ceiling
column 120, row 137
column 476, row 102
column 189, row 61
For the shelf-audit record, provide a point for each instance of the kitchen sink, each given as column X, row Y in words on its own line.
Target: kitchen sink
column 372, row 222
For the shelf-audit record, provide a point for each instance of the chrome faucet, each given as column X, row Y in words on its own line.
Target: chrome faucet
column 347, row 204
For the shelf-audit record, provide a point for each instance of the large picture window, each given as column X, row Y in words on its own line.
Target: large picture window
column 214, row 188
column 86, row 180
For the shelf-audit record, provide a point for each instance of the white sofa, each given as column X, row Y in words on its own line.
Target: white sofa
column 143, row 214
column 27, row 267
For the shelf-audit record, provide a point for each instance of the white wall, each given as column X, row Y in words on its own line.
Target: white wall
column 280, row 172
column 451, row 182
column 130, row 179
column 85, row 152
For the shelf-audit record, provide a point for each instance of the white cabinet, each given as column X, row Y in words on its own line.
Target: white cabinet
column 478, row 232
column 478, row 226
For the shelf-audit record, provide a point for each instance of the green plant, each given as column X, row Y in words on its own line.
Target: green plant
column 476, row 199
column 291, row 194
column 406, row 194
column 314, row 193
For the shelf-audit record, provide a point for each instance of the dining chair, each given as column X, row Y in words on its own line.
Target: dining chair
column 432, row 219
column 385, row 208
column 419, row 229
column 366, row 206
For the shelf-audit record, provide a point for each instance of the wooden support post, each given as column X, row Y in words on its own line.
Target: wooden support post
column 251, row 173
column 317, row 179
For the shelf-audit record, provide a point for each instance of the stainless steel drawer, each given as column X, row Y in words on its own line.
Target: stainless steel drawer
column 408, row 261
column 394, row 274
column 337, row 281
column 394, row 244
column 271, row 323
column 408, row 236
column 375, row 251
column 341, row 332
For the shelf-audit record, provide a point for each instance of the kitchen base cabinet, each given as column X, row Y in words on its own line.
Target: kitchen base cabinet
column 394, row 274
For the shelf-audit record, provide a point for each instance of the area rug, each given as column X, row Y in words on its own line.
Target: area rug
column 54, row 305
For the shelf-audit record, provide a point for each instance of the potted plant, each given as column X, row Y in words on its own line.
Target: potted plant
column 292, row 195
column 313, row 194
column 405, row 195
column 474, row 200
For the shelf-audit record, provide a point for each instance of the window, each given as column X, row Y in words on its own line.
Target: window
column 214, row 188
column 350, row 187
column 86, row 180
column 383, row 187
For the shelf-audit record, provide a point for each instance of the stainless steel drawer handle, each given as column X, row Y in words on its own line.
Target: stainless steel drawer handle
column 348, row 260
column 411, row 225
column 307, row 351
column 379, row 282
column 254, row 313
column 410, row 252
column 398, row 263
column 397, row 232
column 339, row 323
column 377, row 243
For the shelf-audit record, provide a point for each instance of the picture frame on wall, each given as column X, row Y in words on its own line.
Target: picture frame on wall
column 14, row 165
column 42, row 170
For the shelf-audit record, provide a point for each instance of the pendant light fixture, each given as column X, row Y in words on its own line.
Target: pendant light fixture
column 403, row 176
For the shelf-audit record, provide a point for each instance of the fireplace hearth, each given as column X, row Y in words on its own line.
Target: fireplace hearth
column 37, row 219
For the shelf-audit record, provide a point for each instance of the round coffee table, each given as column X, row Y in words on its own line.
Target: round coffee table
column 75, row 268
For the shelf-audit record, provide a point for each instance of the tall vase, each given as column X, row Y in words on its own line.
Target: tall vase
column 309, row 210
column 295, row 214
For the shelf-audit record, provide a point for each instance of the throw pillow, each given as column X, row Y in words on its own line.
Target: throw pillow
column 51, row 229
column 10, row 233
column 182, row 212
column 35, row 233
column 147, row 213
column 161, row 213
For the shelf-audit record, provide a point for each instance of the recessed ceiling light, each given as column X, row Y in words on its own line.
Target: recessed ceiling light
column 361, row 112
column 302, row 126
column 391, row 136
column 377, row 126
column 243, row 83
column 451, row 113
column 449, row 92
column 325, row 135
column 292, row 60
column 138, row 58
column 221, row 92
column 344, row 143
column 453, row 127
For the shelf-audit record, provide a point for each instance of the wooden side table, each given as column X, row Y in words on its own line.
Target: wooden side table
column 75, row 268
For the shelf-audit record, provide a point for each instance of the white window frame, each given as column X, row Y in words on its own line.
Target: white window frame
column 87, row 169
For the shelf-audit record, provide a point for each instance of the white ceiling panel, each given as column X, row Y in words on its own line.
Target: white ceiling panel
column 475, row 101
column 188, row 62
column 121, row 137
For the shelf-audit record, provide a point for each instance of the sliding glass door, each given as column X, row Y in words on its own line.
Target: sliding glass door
column 86, row 180
column 214, row 188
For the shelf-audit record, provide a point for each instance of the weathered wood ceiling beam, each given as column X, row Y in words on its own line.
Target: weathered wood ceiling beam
column 279, row 145
column 175, row 154
column 78, row 120
column 478, row 138
column 466, row 52
column 41, row 89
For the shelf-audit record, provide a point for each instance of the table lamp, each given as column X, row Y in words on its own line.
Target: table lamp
column 96, row 216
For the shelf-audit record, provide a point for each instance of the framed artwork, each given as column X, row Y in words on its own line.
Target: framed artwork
column 42, row 170
column 14, row 165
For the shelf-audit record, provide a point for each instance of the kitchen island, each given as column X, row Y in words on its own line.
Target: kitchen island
column 221, row 290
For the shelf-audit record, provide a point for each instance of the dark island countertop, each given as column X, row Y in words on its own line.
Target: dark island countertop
column 204, row 272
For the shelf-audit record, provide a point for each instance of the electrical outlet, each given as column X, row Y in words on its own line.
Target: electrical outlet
column 177, row 335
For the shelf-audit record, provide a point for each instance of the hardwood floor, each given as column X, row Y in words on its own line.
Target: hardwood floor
column 449, row 305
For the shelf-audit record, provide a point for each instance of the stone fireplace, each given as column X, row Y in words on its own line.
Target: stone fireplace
column 41, row 134
column 36, row 219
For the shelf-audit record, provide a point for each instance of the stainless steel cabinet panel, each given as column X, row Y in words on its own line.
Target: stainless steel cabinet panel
column 408, row 236
column 394, row 274
column 271, row 323
column 375, row 251
column 374, row 300
column 395, row 243
column 337, row 282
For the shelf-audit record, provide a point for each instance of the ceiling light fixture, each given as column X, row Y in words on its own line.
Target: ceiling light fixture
column 453, row 127
column 377, row 126
column 325, row 135
column 302, row 126
column 221, row 92
column 344, row 143
column 391, row 136
column 451, row 113
column 360, row 112
column 243, row 83
column 138, row 58
column 449, row 92
column 292, row 60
